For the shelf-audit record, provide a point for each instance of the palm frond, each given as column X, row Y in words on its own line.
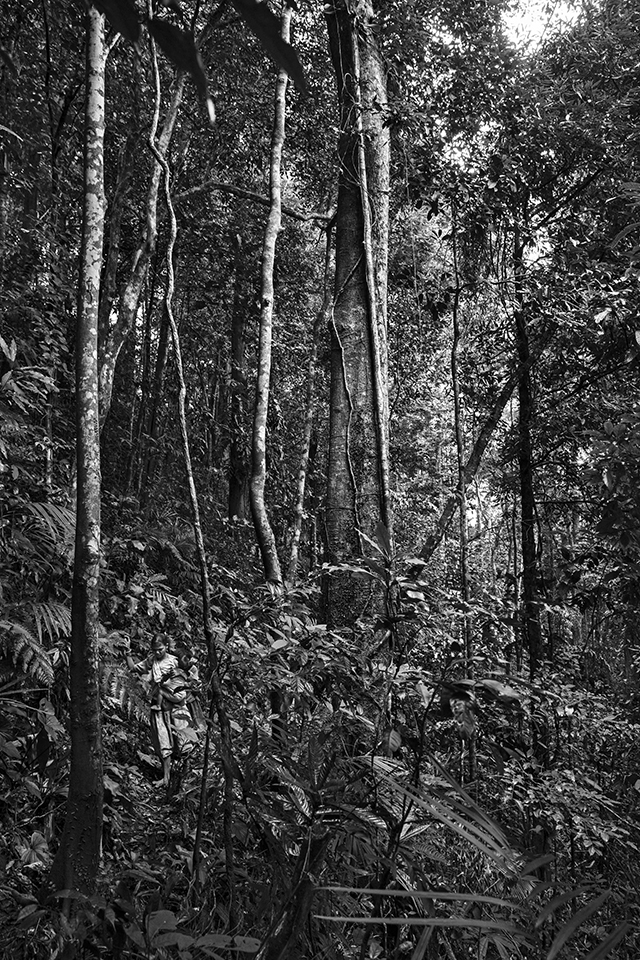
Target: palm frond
column 456, row 810
column 57, row 520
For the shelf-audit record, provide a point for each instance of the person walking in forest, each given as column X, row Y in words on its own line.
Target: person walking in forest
column 170, row 718
column 159, row 664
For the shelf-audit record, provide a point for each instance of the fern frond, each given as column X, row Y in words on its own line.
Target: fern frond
column 124, row 693
column 18, row 644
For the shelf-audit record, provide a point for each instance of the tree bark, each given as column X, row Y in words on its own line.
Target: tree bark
column 77, row 860
column 531, row 602
column 358, row 498
column 264, row 531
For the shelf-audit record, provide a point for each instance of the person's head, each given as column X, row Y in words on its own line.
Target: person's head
column 185, row 660
column 160, row 646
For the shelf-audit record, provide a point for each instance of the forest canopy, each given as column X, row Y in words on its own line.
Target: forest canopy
column 319, row 472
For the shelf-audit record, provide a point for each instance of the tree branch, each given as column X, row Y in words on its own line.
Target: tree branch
column 253, row 196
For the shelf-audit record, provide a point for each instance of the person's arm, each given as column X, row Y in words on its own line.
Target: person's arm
column 172, row 695
column 137, row 667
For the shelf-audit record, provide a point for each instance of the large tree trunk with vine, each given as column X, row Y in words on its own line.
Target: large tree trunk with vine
column 77, row 860
column 358, row 498
column 264, row 531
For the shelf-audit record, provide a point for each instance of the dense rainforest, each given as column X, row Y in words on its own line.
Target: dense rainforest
column 319, row 472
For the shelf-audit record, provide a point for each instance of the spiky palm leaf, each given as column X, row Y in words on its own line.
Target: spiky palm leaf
column 58, row 521
column 50, row 529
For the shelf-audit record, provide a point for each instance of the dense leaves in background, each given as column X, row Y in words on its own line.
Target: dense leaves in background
column 455, row 772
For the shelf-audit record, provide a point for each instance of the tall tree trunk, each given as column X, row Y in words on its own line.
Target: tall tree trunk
column 531, row 602
column 321, row 320
column 459, row 435
column 467, row 643
column 358, row 498
column 264, row 531
column 531, row 623
column 77, row 860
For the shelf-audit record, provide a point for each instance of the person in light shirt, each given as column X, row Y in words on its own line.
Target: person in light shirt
column 168, row 695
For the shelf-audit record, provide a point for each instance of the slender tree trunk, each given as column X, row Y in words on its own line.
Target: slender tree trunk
column 531, row 623
column 108, row 291
column 115, row 336
column 4, row 208
column 76, row 863
column 467, row 642
column 264, row 531
column 358, row 497
column 530, row 573
column 459, row 435
column 321, row 320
